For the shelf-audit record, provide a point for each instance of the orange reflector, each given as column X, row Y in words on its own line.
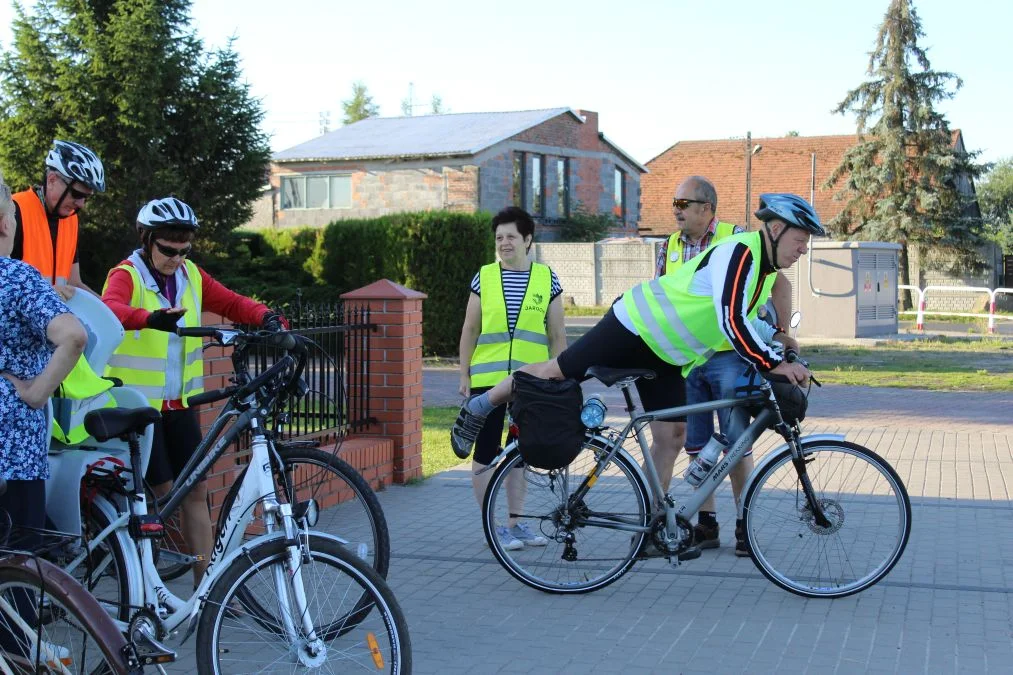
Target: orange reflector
column 591, row 481
column 374, row 649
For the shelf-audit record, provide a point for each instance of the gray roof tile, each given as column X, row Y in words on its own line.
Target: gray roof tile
column 425, row 136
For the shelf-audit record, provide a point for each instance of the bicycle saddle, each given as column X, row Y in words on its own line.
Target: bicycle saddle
column 609, row 376
column 118, row 422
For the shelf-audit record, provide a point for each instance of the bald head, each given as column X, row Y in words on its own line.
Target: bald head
column 701, row 189
column 694, row 206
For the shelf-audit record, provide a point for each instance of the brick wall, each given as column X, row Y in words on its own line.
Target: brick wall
column 389, row 451
column 378, row 190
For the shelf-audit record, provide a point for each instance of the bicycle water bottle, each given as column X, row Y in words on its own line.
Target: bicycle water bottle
column 706, row 459
column 592, row 414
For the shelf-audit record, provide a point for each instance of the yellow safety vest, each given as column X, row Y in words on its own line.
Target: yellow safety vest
column 81, row 392
column 674, row 259
column 682, row 327
column 500, row 352
column 721, row 231
column 142, row 360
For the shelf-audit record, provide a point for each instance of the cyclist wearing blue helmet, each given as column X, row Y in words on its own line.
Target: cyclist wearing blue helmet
column 676, row 322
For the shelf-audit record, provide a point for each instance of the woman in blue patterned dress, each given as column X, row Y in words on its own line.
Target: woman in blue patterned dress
column 41, row 342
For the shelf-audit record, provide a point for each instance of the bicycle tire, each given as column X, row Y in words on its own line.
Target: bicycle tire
column 354, row 637
column 357, row 517
column 602, row 554
column 106, row 577
column 166, row 550
column 862, row 496
column 77, row 625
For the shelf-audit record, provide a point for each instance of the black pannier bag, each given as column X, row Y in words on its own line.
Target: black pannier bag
column 547, row 413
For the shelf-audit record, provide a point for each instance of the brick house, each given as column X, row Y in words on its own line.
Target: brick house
column 546, row 161
column 798, row 164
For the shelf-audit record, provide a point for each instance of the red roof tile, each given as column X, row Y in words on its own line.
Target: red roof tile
column 783, row 164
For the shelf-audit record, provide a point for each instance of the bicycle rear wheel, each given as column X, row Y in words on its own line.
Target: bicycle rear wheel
column 355, row 616
column 348, row 508
column 863, row 498
column 585, row 550
column 72, row 634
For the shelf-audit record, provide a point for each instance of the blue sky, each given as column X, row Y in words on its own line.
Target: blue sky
column 656, row 72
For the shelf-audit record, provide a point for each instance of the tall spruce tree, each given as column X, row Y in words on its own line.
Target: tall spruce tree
column 131, row 80
column 902, row 181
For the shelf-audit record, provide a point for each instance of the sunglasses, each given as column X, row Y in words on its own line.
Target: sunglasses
column 170, row 252
column 77, row 194
column 683, row 204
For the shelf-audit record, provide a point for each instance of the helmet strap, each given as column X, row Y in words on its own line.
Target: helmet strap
column 63, row 195
column 773, row 242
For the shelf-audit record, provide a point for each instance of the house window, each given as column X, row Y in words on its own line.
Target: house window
column 563, row 187
column 519, row 200
column 316, row 191
column 538, row 185
column 619, row 210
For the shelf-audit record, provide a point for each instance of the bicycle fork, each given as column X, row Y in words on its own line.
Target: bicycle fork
column 799, row 462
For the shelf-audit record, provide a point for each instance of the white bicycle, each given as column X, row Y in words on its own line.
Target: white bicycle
column 290, row 599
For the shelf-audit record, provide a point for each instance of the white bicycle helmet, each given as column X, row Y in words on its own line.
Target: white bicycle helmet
column 74, row 162
column 166, row 212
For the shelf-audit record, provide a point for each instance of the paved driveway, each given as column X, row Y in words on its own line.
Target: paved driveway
column 946, row 608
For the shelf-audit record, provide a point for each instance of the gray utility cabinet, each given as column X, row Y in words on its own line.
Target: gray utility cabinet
column 851, row 291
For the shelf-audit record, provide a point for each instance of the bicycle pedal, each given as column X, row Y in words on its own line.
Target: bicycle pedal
column 691, row 553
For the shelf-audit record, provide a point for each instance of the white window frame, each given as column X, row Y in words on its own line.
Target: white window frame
column 302, row 177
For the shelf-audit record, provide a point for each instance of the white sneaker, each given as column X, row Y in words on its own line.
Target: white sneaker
column 507, row 540
column 523, row 533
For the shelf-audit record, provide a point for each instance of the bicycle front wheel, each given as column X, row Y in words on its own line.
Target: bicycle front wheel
column 357, row 622
column 861, row 496
column 590, row 542
column 348, row 508
column 50, row 624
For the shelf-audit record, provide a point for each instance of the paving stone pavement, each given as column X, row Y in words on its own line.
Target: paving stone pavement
column 947, row 607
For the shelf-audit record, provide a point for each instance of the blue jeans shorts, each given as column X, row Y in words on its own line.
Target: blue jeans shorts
column 712, row 381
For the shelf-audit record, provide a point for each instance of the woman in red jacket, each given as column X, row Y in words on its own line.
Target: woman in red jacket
column 153, row 292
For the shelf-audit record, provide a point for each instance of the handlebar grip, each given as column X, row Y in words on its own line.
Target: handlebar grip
column 212, row 396
column 197, row 331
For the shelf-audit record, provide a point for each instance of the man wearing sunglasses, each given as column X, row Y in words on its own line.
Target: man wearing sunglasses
column 694, row 206
column 154, row 291
column 46, row 236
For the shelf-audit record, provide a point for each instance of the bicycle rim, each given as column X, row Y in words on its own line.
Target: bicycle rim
column 352, row 609
column 579, row 556
column 171, row 552
column 105, row 574
column 863, row 498
column 348, row 508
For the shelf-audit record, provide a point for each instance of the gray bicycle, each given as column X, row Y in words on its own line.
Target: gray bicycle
column 823, row 517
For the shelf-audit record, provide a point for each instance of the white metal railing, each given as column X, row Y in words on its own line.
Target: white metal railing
column 921, row 311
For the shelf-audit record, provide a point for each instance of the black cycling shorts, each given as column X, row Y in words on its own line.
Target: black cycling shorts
column 176, row 437
column 610, row 344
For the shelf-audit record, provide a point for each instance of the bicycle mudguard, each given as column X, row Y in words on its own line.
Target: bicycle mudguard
column 772, row 455
column 204, row 588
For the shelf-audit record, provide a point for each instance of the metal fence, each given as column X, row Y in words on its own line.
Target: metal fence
column 337, row 369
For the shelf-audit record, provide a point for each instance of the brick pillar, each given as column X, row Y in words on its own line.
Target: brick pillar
column 395, row 380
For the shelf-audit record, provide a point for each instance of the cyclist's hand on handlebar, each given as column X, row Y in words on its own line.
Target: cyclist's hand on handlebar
column 795, row 372
column 165, row 319
column 790, row 343
column 274, row 321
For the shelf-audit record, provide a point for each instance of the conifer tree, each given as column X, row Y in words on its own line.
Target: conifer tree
column 131, row 80
column 902, row 181
column 361, row 105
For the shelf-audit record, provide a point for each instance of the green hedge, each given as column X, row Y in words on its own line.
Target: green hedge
column 436, row 252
